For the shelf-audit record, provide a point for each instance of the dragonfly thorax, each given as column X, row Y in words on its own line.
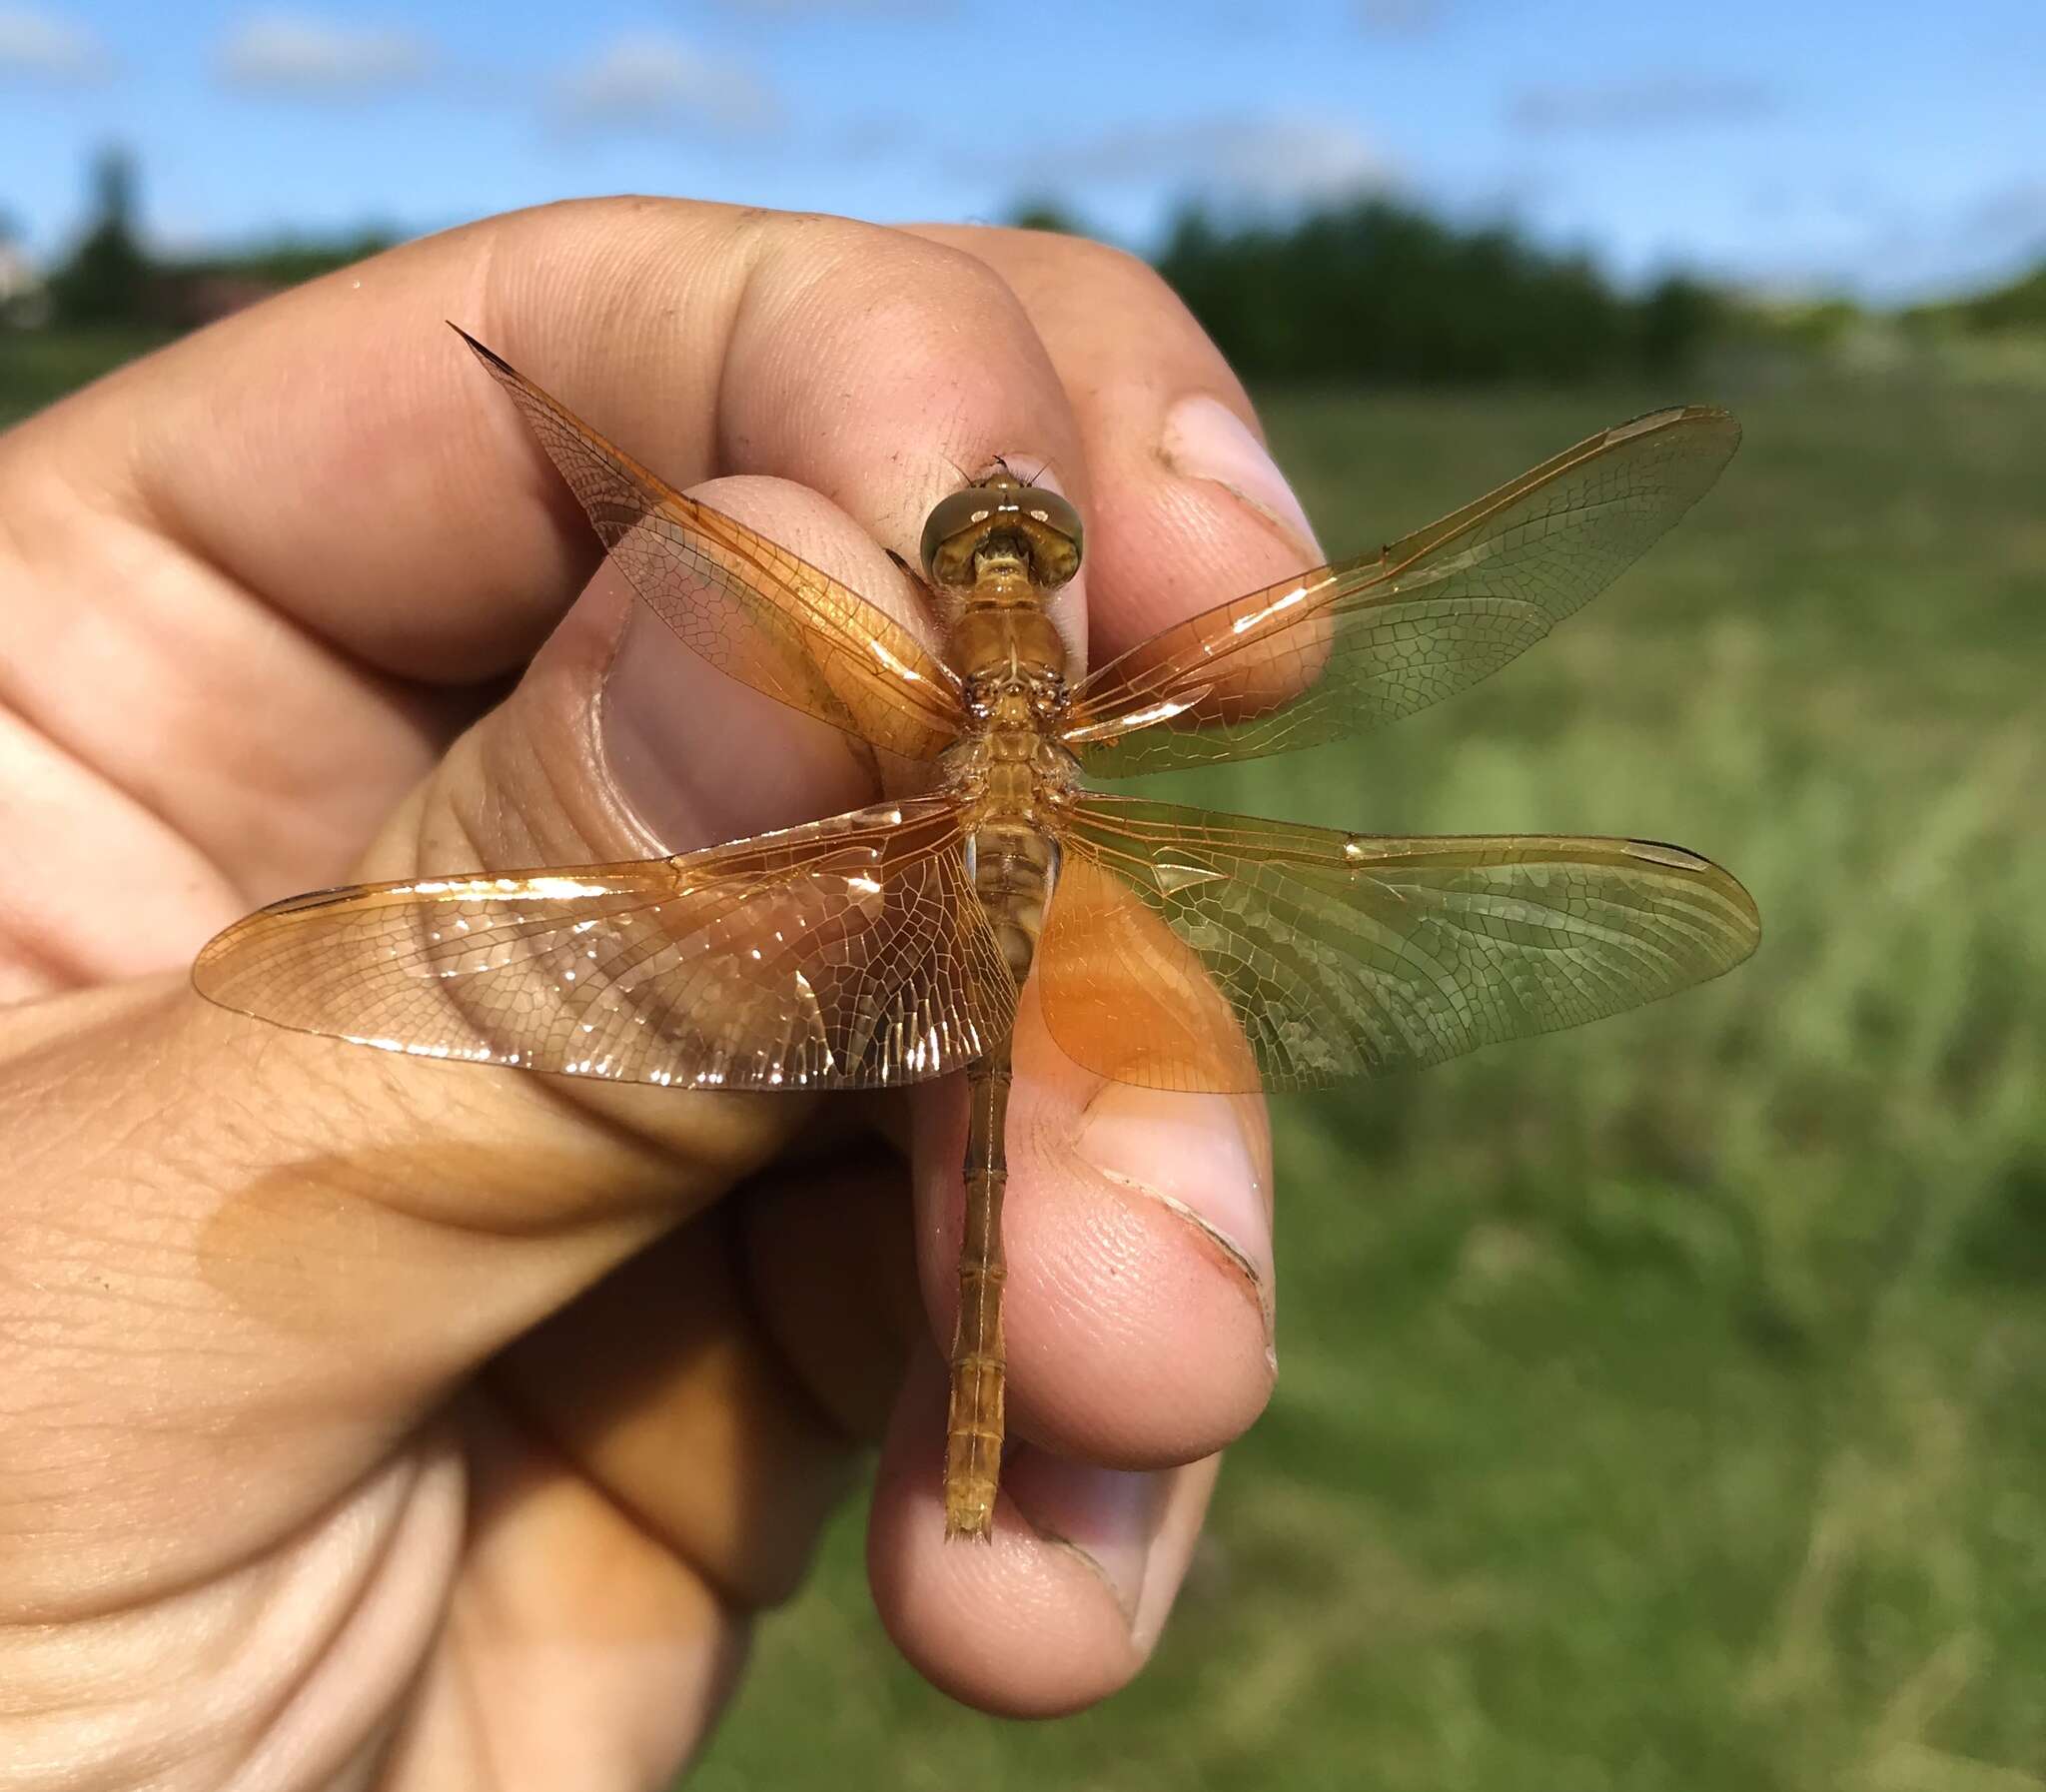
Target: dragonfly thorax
column 1017, row 699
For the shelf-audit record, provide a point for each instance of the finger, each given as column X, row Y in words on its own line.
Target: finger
column 720, row 1388
column 831, row 1260
column 575, row 1648
column 1137, row 1309
column 651, row 1469
column 1190, row 509
column 1049, row 1615
column 1138, row 1317
column 352, row 509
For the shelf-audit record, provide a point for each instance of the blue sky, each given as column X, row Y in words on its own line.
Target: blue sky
column 1890, row 147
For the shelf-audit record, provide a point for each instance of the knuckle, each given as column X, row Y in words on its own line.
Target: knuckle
column 1105, row 264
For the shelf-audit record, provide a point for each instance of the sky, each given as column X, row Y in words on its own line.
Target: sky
column 1890, row 149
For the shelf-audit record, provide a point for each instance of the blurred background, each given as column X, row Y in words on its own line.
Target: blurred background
column 1661, row 1405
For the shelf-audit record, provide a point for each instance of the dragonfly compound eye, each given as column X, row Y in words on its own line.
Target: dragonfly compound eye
column 1001, row 515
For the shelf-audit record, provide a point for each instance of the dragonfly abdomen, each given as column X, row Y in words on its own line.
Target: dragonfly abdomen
column 1014, row 864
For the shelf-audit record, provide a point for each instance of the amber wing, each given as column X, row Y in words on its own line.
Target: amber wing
column 1346, row 647
column 1193, row 951
column 846, row 953
column 752, row 609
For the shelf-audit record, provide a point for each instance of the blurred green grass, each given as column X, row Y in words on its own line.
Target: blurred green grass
column 38, row 366
column 1662, row 1403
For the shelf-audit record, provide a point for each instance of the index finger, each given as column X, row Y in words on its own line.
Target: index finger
column 332, row 450
column 266, row 536
column 1193, row 511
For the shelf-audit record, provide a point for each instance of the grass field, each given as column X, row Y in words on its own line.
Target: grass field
column 1663, row 1406
column 41, row 365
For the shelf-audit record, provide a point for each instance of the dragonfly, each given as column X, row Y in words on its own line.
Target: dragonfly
column 1171, row 947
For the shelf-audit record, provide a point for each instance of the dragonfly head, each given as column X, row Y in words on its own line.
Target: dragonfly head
column 1002, row 516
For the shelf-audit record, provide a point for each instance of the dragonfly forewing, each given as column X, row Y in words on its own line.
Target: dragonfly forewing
column 748, row 606
column 1348, row 648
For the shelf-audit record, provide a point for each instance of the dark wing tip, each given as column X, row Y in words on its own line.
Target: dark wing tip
column 489, row 357
column 1712, row 419
column 1728, row 888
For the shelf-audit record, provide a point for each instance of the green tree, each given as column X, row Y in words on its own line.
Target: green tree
column 106, row 280
column 1677, row 316
column 1383, row 292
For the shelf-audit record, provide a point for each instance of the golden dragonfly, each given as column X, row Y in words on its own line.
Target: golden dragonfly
column 1172, row 948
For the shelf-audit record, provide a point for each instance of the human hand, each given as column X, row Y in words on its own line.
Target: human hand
column 364, row 1416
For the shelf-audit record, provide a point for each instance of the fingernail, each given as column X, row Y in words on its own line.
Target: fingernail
column 1205, row 440
column 642, row 745
column 1108, row 1517
column 1191, row 1152
column 698, row 757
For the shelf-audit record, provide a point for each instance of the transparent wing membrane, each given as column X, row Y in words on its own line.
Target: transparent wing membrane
column 1346, row 647
column 752, row 609
column 847, row 954
column 1195, row 951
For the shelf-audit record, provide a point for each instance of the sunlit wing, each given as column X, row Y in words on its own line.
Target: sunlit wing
column 752, row 609
column 847, row 954
column 1346, row 647
column 1193, row 951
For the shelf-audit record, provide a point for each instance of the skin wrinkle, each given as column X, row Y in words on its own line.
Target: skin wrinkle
column 518, row 1416
column 69, row 756
column 602, row 1439
column 418, row 714
column 50, row 972
column 201, row 1571
column 366, row 1586
column 44, row 761
column 28, row 1148
column 369, row 1592
column 268, row 1573
column 716, row 450
column 27, row 950
column 650, row 1741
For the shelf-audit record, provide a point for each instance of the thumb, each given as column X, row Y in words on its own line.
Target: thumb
column 260, row 1225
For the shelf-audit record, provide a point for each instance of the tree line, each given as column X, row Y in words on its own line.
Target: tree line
column 1372, row 291
column 111, row 281
column 1377, row 290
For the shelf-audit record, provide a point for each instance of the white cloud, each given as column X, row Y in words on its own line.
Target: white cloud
column 298, row 53
column 650, row 80
column 1265, row 161
column 1653, row 102
column 40, row 46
